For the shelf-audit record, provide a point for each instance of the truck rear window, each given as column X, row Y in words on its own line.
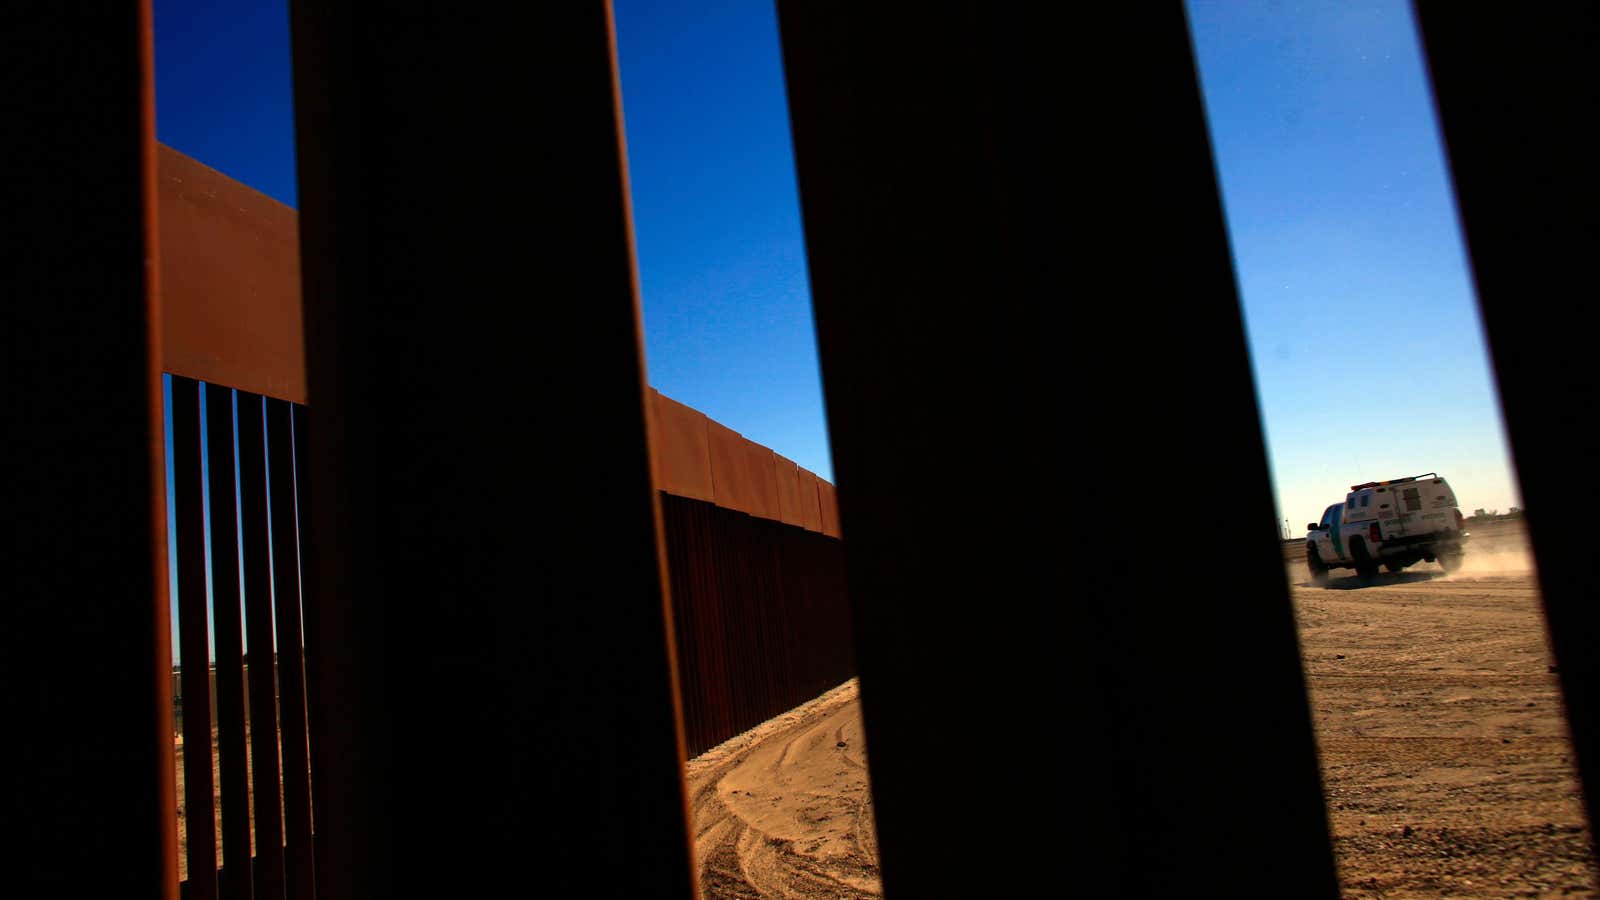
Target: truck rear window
column 1412, row 498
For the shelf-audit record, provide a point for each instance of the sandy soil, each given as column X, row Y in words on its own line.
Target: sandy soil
column 1444, row 755
column 784, row 810
column 216, row 801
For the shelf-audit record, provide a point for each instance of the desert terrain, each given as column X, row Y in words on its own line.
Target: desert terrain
column 1445, row 761
column 1444, row 756
column 784, row 810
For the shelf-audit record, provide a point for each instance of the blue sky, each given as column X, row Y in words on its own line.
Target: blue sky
column 1365, row 337
column 726, row 302
column 223, row 92
column 1363, row 324
column 722, row 270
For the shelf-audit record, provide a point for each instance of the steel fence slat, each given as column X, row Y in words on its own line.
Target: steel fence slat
column 189, row 516
column 234, row 881
column 260, row 677
column 299, row 883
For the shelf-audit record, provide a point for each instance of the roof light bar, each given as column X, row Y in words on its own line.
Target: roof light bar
column 1373, row 484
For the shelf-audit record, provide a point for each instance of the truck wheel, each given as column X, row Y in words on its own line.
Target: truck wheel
column 1319, row 572
column 1366, row 566
column 1450, row 562
column 1395, row 567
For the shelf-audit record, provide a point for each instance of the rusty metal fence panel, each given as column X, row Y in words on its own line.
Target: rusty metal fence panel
column 188, row 493
column 759, row 574
column 88, row 623
column 760, row 614
column 681, row 448
column 257, row 562
column 949, row 209
column 760, row 607
column 227, row 623
column 790, row 509
column 265, row 788
column 230, row 281
column 290, row 668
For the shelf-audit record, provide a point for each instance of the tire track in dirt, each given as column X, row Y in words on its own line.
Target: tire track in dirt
column 784, row 810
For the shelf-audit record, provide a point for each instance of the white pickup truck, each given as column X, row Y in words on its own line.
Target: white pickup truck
column 1393, row 524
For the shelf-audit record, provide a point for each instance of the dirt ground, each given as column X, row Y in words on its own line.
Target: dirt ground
column 784, row 811
column 1444, row 756
column 1444, row 753
column 216, row 803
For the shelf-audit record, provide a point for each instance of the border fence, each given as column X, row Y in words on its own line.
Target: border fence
column 756, row 568
column 1022, row 288
column 270, row 807
column 761, row 619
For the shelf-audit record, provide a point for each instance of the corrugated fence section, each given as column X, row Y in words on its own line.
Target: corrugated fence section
column 760, row 610
column 756, row 564
column 699, row 458
column 258, row 744
column 760, row 616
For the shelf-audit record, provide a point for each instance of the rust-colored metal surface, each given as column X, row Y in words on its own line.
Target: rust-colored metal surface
column 682, row 448
column 810, row 503
column 228, row 640
column 259, row 625
column 89, row 623
column 230, row 281
column 790, row 509
column 267, row 493
column 969, row 189
column 297, row 864
column 702, row 459
column 763, row 480
column 828, row 499
column 199, row 810
column 731, row 484
column 150, row 329
column 453, row 567
column 760, row 614
column 232, row 316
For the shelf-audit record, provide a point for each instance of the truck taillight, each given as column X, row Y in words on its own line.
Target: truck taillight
column 1375, row 533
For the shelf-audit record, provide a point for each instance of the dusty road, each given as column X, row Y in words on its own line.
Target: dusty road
column 1444, row 757
column 784, row 810
column 1444, row 754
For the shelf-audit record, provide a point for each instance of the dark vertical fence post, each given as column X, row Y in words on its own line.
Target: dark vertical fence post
column 260, row 678
column 290, row 669
column 762, row 619
column 88, row 587
column 298, row 426
column 486, row 632
column 1515, row 93
column 1034, row 364
column 189, row 499
column 227, row 627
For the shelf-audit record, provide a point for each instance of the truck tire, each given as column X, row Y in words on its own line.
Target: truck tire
column 1450, row 561
column 1319, row 572
column 1366, row 566
column 1395, row 567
